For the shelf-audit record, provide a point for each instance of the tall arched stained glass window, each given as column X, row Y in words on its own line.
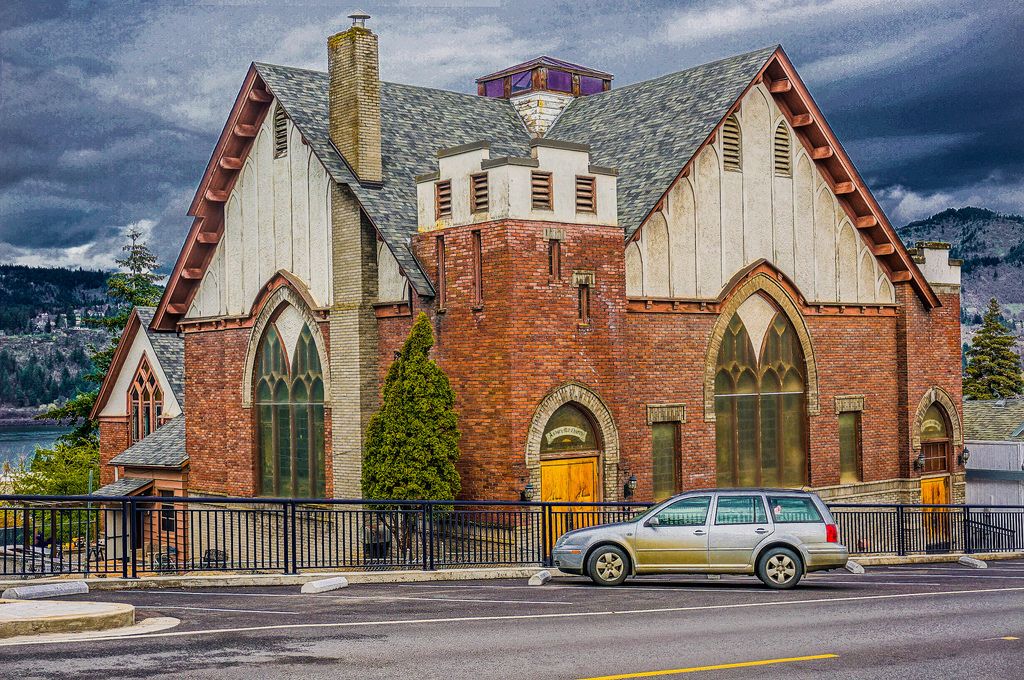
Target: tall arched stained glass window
column 759, row 405
column 289, row 401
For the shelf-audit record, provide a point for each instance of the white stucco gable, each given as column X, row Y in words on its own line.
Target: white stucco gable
column 117, row 400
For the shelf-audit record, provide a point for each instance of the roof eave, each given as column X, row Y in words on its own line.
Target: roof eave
column 117, row 363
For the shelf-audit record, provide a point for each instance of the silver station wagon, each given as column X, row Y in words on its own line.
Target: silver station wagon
column 776, row 534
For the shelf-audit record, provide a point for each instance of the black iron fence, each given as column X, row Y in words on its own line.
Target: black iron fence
column 129, row 537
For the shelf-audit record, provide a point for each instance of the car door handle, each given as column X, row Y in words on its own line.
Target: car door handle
column 760, row 530
column 699, row 532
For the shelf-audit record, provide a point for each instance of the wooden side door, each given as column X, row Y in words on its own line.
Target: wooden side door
column 569, row 480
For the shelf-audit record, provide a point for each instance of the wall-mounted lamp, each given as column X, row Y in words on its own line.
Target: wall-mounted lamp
column 919, row 461
column 526, row 495
column 965, row 456
column 629, row 488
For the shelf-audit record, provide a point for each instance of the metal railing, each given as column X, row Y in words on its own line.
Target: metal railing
column 135, row 536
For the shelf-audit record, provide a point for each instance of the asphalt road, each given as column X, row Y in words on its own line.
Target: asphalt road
column 927, row 621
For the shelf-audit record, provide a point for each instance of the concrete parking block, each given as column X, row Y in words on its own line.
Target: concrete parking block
column 325, row 585
column 972, row 562
column 854, row 567
column 540, row 578
column 45, row 591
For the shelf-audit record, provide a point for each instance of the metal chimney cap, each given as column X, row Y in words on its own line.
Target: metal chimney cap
column 359, row 18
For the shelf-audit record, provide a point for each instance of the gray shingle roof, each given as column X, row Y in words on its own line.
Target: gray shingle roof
column 125, row 486
column 649, row 130
column 164, row 447
column 170, row 352
column 415, row 123
column 987, row 420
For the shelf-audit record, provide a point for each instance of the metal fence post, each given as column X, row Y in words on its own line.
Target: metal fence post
column 545, row 557
column 430, row 535
column 901, row 545
column 423, row 537
column 125, row 545
column 293, row 566
column 133, row 509
column 286, row 538
column 967, row 532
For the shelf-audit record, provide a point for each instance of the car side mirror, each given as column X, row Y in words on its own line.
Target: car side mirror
column 653, row 522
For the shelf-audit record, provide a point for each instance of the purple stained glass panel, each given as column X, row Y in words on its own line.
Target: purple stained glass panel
column 591, row 85
column 495, row 88
column 522, row 81
column 559, row 81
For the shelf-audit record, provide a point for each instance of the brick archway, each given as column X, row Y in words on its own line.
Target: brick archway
column 283, row 295
column 759, row 283
column 580, row 394
column 937, row 395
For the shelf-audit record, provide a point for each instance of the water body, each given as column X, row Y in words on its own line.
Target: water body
column 21, row 441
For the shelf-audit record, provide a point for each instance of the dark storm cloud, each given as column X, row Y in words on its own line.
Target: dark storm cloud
column 109, row 111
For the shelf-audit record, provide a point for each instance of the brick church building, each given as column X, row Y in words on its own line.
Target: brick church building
column 682, row 282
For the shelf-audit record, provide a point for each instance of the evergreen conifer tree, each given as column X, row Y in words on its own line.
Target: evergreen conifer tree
column 412, row 442
column 134, row 286
column 993, row 365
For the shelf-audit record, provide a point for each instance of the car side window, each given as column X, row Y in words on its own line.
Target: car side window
column 790, row 510
column 740, row 510
column 687, row 512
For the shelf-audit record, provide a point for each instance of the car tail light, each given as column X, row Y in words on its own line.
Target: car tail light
column 831, row 533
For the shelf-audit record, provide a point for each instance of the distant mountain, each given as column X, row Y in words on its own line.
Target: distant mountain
column 44, row 345
column 991, row 245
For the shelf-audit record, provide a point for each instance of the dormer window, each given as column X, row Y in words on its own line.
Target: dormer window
column 280, row 132
column 540, row 191
column 145, row 402
column 586, row 194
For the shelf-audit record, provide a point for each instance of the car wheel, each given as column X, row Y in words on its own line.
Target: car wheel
column 608, row 565
column 780, row 568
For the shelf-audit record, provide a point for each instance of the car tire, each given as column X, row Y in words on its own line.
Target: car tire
column 780, row 568
column 608, row 565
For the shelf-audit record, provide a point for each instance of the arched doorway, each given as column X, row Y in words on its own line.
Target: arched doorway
column 570, row 454
column 936, row 455
column 760, row 400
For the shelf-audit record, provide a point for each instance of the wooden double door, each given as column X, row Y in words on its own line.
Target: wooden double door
column 570, row 480
column 935, row 491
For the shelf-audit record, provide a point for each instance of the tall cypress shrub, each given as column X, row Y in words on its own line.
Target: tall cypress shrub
column 412, row 442
column 993, row 365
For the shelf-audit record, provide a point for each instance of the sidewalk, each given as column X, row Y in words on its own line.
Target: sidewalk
column 35, row 617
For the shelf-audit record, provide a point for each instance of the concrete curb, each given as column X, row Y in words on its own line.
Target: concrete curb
column 886, row 560
column 45, row 590
column 269, row 580
column 21, row 617
column 325, row 585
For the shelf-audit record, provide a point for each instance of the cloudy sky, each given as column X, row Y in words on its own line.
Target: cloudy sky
column 109, row 110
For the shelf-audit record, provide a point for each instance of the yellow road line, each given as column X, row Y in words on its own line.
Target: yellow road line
column 716, row 667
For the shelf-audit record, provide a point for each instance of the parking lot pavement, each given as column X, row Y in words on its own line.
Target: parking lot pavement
column 936, row 619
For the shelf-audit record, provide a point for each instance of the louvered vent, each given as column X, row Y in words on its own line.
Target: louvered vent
column 443, row 199
column 280, row 132
column 479, row 201
column 586, row 194
column 783, row 162
column 540, row 185
column 731, row 144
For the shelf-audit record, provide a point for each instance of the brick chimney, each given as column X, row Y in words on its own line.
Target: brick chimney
column 354, row 97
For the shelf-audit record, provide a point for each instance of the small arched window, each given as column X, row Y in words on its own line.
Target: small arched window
column 145, row 402
column 568, row 429
column 782, row 152
column 732, row 144
column 280, row 132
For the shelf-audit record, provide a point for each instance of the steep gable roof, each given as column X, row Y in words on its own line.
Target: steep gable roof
column 649, row 130
column 163, row 447
column 415, row 123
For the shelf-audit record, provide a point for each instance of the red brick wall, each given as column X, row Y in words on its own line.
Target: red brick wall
column 114, row 439
column 219, row 433
column 503, row 359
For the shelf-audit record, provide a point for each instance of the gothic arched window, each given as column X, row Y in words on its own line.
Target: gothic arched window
column 289, row 401
column 145, row 402
column 760, row 401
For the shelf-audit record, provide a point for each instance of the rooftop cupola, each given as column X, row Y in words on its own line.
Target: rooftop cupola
column 541, row 88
